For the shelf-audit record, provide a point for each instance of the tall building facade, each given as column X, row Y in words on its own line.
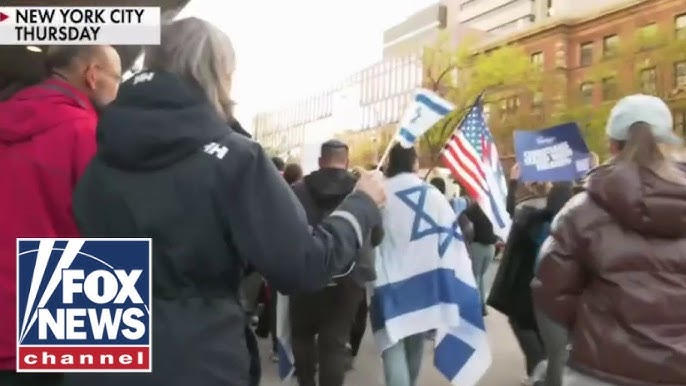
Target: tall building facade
column 481, row 17
column 601, row 56
column 503, row 17
column 370, row 98
column 423, row 28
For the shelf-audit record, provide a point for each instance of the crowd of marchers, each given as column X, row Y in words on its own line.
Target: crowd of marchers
column 592, row 276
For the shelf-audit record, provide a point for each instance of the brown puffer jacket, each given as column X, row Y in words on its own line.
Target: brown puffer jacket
column 614, row 273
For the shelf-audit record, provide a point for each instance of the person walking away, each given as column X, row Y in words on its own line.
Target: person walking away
column 511, row 292
column 328, row 314
column 482, row 248
column 292, row 173
column 414, row 292
column 360, row 321
column 402, row 360
column 47, row 137
column 170, row 166
column 554, row 337
column 458, row 205
column 612, row 270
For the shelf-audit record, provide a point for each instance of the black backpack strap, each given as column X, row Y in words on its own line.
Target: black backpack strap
column 63, row 91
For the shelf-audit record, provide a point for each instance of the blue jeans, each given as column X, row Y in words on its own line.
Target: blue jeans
column 482, row 255
column 402, row 361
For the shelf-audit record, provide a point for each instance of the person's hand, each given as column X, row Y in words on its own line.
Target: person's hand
column 372, row 183
column 515, row 172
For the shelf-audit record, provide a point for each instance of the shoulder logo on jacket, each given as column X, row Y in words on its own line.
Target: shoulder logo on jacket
column 216, row 149
column 144, row 77
column 84, row 305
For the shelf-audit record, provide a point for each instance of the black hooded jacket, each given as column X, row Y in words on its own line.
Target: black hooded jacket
column 320, row 193
column 169, row 168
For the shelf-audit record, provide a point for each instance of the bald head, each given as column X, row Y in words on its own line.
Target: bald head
column 67, row 57
column 96, row 70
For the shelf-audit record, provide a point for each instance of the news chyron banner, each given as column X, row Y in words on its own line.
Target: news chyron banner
column 80, row 25
column 84, row 305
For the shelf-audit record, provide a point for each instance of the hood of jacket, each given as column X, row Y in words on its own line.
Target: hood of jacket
column 157, row 120
column 639, row 199
column 328, row 186
column 38, row 108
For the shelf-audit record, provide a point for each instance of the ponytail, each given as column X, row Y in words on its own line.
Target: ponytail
column 643, row 150
column 641, row 147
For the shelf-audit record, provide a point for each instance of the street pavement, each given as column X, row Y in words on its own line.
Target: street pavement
column 507, row 368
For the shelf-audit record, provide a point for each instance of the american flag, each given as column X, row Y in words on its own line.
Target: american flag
column 472, row 157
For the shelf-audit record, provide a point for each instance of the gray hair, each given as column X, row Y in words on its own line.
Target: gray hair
column 200, row 52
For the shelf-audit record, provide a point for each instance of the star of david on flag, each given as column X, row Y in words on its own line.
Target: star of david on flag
column 425, row 281
column 415, row 198
column 426, row 109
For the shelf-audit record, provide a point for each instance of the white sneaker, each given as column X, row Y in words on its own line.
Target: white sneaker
column 537, row 375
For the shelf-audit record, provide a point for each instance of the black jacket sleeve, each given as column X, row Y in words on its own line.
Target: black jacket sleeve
column 269, row 227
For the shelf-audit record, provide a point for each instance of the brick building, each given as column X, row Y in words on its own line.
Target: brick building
column 593, row 60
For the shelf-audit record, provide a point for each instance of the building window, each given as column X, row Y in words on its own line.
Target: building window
column 586, row 91
column 680, row 74
column 609, row 88
column 586, row 54
column 648, row 78
column 509, row 106
column 537, row 99
column 680, row 26
column 610, row 46
column 647, row 36
column 680, row 122
column 537, row 60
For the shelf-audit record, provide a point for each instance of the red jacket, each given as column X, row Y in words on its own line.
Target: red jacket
column 47, row 137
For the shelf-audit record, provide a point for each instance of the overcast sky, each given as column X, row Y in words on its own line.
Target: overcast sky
column 290, row 49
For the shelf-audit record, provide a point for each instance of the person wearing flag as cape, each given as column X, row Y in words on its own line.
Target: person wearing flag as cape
column 424, row 276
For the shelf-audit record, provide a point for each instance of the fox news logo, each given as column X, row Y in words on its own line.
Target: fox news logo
column 84, row 305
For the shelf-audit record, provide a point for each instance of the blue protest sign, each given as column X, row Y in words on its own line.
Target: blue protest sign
column 558, row 153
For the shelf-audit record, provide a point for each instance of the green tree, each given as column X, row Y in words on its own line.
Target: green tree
column 641, row 63
column 460, row 74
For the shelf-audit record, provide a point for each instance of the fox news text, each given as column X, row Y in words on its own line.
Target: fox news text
column 84, row 305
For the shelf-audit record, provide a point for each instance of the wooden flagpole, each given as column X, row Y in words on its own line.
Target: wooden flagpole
column 476, row 101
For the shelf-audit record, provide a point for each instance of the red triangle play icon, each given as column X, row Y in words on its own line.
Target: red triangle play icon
column 3, row 17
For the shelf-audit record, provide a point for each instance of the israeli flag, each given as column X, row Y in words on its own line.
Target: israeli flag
column 283, row 338
column 425, row 110
column 425, row 281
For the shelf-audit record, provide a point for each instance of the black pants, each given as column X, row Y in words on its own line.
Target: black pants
column 272, row 319
column 254, row 351
column 11, row 378
column 359, row 325
column 328, row 315
column 531, row 344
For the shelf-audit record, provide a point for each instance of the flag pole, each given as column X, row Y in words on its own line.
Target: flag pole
column 478, row 98
column 385, row 153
